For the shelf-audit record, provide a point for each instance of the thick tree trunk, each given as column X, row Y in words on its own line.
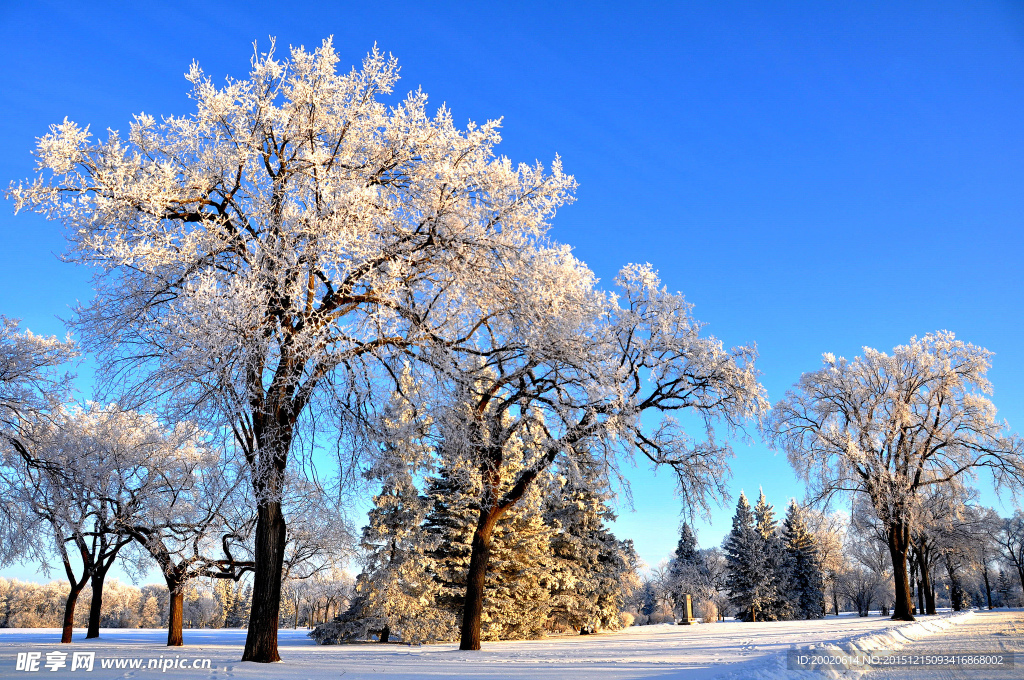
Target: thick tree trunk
column 175, row 612
column 899, row 545
column 835, row 601
column 476, row 579
column 261, row 640
column 69, row 612
column 96, row 606
column 385, row 634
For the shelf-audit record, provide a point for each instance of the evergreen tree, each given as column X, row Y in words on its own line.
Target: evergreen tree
column 592, row 572
column 778, row 572
column 688, row 571
column 237, row 615
column 747, row 565
column 1005, row 589
column 393, row 593
column 806, row 582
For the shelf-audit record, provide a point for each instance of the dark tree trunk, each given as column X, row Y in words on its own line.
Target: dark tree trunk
column 261, row 640
column 476, row 579
column 835, row 601
column 929, row 592
column 96, row 606
column 988, row 587
column 899, row 545
column 69, row 612
column 925, row 584
column 385, row 634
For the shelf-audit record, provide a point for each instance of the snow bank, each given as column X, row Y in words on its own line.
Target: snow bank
column 774, row 667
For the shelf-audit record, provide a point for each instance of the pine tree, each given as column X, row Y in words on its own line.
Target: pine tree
column 592, row 572
column 747, row 578
column 1005, row 590
column 806, row 582
column 688, row 571
column 393, row 593
column 238, row 614
column 517, row 592
column 778, row 572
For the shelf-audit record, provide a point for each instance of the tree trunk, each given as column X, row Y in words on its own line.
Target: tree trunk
column 956, row 590
column 476, row 579
column 261, row 640
column 175, row 612
column 835, row 601
column 988, row 587
column 899, row 545
column 925, row 584
column 385, row 634
column 96, row 606
column 69, row 612
column 929, row 592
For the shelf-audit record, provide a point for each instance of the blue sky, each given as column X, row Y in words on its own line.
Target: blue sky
column 812, row 176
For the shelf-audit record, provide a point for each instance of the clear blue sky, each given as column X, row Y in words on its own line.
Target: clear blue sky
column 812, row 176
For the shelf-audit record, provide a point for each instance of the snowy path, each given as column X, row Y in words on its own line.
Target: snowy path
column 998, row 630
column 663, row 652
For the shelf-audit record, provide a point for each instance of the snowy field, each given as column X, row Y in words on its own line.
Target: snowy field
column 663, row 652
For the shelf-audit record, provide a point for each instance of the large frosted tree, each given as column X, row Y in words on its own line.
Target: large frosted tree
column 254, row 255
column 890, row 426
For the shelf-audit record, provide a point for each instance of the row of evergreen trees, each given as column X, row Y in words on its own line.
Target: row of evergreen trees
column 554, row 565
column 773, row 572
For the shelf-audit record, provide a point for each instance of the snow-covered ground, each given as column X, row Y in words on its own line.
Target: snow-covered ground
column 663, row 652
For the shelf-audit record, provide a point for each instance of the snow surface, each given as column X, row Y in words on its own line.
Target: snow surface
column 662, row 652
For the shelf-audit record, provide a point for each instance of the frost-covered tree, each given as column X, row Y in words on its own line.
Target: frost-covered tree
column 688, row 570
column 80, row 474
column 889, row 426
column 806, row 581
column 254, row 255
column 592, row 572
column 30, row 383
column 577, row 370
column 1010, row 539
column 198, row 523
column 829, row 531
column 515, row 602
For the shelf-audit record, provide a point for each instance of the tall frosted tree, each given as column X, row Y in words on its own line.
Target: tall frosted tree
column 806, row 579
column 777, row 572
column 889, row 426
column 254, row 258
